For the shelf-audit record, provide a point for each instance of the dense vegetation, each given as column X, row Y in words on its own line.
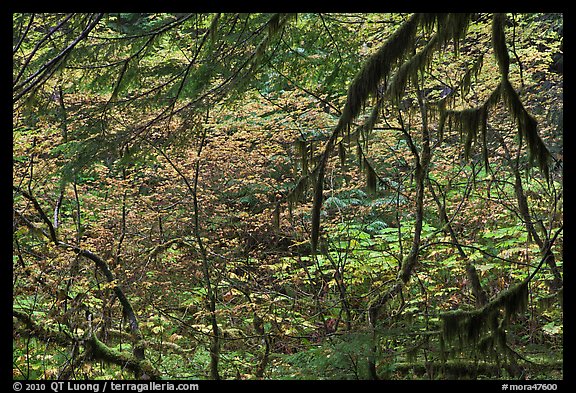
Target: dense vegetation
column 287, row 196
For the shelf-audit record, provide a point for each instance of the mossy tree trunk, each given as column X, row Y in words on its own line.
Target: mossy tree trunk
column 127, row 309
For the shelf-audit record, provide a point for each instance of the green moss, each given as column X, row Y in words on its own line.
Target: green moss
column 484, row 328
column 141, row 368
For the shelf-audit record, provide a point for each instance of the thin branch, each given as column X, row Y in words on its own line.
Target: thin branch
column 24, row 34
column 545, row 252
column 40, row 211
column 36, row 47
column 100, row 263
column 514, row 50
column 331, row 37
column 36, row 79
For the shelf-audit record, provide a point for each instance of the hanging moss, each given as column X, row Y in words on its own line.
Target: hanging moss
column 342, row 153
column 451, row 28
column 473, row 121
column 274, row 26
column 470, row 122
column 527, row 125
column 43, row 332
column 471, row 73
column 214, row 27
column 499, row 44
column 463, row 86
column 370, row 177
column 302, row 152
column 377, row 68
column 429, row 21
column 360, row 156
column 513, row 300
column 451, row 324
column 527, row 128
column 370, row 122
column 454, row 29
column 298, row 192
column 484, row 328
column 417, row 63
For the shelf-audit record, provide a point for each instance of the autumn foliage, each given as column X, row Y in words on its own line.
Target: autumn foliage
column 287, row 196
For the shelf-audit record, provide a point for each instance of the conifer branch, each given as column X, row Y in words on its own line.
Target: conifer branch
column 48, row 68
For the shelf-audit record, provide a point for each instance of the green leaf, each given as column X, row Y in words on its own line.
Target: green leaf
column 552, row 329
column 485, row 267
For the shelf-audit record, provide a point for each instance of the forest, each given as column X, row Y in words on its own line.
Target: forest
column 287, row 196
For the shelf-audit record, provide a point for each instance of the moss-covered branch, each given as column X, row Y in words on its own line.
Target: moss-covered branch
column 473, row 121
column 376, row 69
column 42, row 332
column 100, row 263
column 484, row 328
column 96, row 349
column 141, row 367
column 468, row 369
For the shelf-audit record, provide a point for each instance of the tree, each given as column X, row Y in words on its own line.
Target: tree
column 169, row 145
